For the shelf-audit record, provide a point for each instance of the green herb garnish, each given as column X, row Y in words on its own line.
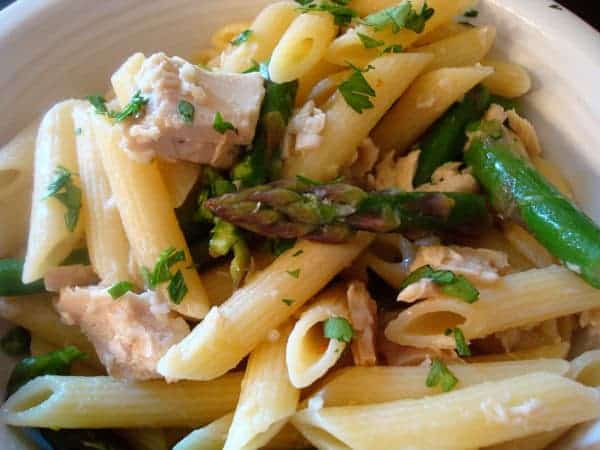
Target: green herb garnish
column 451, row 284
column 440, row 375
column 288, row 301
column 462, row 346
column 471, row 13
column 120, row 289
column 338, row 328
column 177, row 288
column 241, row 38
column 132, row 109
column 221, row 125
column 64, row 190
column 394, row 48
column 369, row 42
column 162, row 273
column 341, row 13
column 294, row 273
column 400, row 17
column 186, row 111
column 357, row 91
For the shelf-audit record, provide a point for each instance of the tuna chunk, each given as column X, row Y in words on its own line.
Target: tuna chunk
column 363, row 313
column 167, row 81
column 130, row 334
column 60, row 277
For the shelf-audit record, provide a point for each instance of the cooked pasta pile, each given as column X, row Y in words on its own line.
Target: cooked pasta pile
column 332, row 229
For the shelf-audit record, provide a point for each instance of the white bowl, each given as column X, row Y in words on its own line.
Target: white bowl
column 54, row 49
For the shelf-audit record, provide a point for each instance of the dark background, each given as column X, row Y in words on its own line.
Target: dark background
column 588, row 10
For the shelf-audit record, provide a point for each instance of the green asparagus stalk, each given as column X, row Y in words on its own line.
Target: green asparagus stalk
column 519, row 192
column 446, row 139
column 332, row 212
column 263, row 161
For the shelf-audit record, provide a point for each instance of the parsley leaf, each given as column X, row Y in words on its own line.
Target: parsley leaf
column 287, row 301
column 241, row 38
column 356, row 90
column 162, row 273
column 294, row 273
column 63, row 189
column 341, row 13
column 98, row 102
column 279, row 245
column 298, row 253
column 186, row 111
column 400, row 17
column 462, row 346
column 177, row 288
column 132, row 109
column 120, row 289
column 440, row 375
column 304, row 2
column 221, row 126
column 369, row 42
column 451, row 284
column 338, row 328
column 471, row 13
column 394, row 48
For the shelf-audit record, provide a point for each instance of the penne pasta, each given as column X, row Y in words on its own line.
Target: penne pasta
column 349, row 47
column 537, row 295
column 267, row 400
column 586, row 368
column 463, row 49
column 480, row 415
column 106, row 241
column 526, row 244
column 16, row 175
column 50, row 237
column 559, row 350
column 54, row 401
column 311, row 78
column 235, row 328
column 442, row 32
column 309, row 354
column 227, row 33
column 508, row 80
column 380, row 384
column 538, row 441
column 147, row 214
column 302, row 46
column 324, row 89
column 345, row 129
column 179, row 177
column 423, row 103
column 267, row 29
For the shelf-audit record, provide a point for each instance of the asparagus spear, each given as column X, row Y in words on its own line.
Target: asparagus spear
column 11, row 272
column 332, row 212
column 446, row 139
column 518, row 191
column 263, row 163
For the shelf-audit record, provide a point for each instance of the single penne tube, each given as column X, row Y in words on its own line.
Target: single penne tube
column 16, row 184
column 442, row 32
column 311, row 78
column 50, row 237
column 345, row 128
column 36, row 313
column 324, row 89
column 423, row 103
column 179, row 177
column 380, row 384
column 53, row 401
column 267, row 400
column 213, row 435
column 538, row 441
column 267, row 29
column 302, row 46
column 147, row 214
column 123, row 80
column 586, row 368
column 527, row 245
column 106, row 241
column 463, row 49
column 481, row 415
column 231, row 331
column 349, row 47
column 227, row 33
column 218, row 283
column 537, row 295
column 309, row 353
column 508, row 80
column 559, row 350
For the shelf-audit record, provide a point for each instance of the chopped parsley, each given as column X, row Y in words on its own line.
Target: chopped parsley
column 298, row 253
column 132, row 109
column 342, row 14
column 400, row 17
column 440, row 375
column 288, row 301
column 294, row 273
column 357, row 91
column 369, row 42
column 16, row 342
column 451, row 284
column 221, row 125
column 471, row 13
column 338, row 328
column 462, row 346
column 121, row 288
column 186, row 111
column 64, row 190
column 241, row 38
column 394, row 48
column 279, row 245
column 161, row 273
column 177, row 288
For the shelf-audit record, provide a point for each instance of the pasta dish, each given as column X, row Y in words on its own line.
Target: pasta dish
column 334, row 228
